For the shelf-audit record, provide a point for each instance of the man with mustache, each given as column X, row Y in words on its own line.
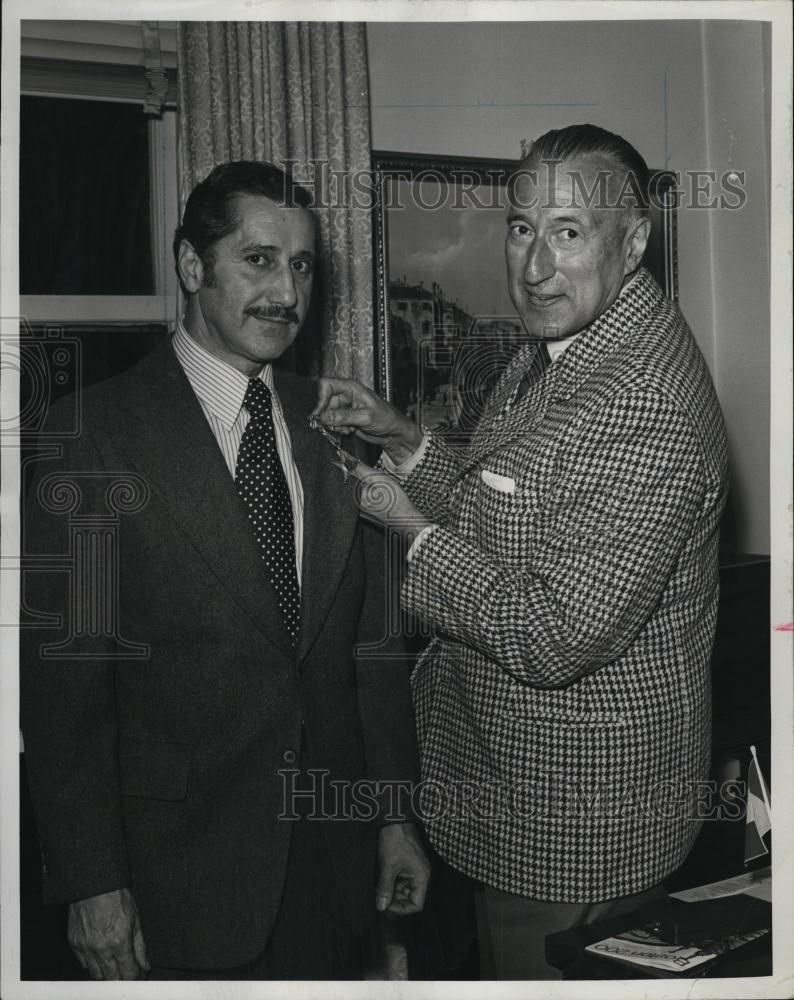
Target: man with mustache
column 568, row 561
column 210, row 810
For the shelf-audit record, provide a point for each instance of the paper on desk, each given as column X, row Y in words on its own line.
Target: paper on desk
column 639, row 947
column 762, row 890
column 756, row 883
column 653, row 953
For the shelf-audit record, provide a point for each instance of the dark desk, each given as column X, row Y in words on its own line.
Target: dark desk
column 740, row 708
column 566, row 949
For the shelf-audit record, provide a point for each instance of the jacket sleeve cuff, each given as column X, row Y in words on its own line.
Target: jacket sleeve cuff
column 409, row 555
column 404, row 469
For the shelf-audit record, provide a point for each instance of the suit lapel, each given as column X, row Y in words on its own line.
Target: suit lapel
column 499, row 427
column 567, row 376
column 330, row 512
column 176, row 452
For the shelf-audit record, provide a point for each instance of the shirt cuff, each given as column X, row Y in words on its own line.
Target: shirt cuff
column 404, row 469
column 418, row 541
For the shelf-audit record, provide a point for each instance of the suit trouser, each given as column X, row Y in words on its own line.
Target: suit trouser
column 512, row 930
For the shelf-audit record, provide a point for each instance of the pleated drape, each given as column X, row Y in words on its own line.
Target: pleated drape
column 296, row 94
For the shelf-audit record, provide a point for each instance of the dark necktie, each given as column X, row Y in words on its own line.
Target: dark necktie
column 261, row 483
column 535, row 372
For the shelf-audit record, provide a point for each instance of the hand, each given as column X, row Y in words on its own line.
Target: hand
column 381, row 499
column 105, row 935
column 404, row 870
column 349, row 407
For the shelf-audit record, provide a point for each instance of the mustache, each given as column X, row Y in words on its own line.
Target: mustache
column 273, row 312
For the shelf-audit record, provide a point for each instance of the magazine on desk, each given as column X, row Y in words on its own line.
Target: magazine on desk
column 700, row 925
column 641, row 946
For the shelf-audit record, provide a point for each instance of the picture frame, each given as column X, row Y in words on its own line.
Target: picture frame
column 438, row 232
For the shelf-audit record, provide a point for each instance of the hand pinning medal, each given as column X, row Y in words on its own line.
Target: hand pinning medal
column 347, row 463
column 378, row 492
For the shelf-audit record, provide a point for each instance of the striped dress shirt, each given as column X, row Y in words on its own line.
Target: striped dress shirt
column 220, row 390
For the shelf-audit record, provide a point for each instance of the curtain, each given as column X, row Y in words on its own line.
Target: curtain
column 296, row 93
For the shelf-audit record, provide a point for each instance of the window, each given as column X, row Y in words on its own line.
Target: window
column 98, row 177
column 84, row 199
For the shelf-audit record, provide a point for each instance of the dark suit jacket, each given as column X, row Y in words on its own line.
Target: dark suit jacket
column 161, row 771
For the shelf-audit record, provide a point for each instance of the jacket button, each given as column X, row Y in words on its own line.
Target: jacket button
column 290, row 756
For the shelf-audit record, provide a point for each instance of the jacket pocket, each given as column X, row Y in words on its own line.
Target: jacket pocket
column 154, row 770
column 503, row 484
column 515, row 709
column 544, row 708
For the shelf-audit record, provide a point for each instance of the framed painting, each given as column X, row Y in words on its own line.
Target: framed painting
column 445, row 323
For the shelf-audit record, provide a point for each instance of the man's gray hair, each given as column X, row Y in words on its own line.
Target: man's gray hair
column 589, row 140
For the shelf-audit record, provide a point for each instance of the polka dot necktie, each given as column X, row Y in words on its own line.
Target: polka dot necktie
column 262, row 485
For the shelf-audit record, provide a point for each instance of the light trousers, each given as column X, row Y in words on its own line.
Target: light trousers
column 512, row 930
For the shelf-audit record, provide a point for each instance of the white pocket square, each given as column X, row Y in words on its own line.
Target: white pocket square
column 502, row 483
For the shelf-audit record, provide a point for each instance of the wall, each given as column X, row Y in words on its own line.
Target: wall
column 736, row 126
column 689, row 95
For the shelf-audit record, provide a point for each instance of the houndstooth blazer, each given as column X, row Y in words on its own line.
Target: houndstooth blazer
column 563, row 706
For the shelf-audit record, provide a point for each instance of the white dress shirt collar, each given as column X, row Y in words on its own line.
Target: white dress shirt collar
column 558, row 347
column 219, row 386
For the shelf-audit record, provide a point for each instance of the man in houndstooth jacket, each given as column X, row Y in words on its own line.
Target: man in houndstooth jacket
column 568, row 563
